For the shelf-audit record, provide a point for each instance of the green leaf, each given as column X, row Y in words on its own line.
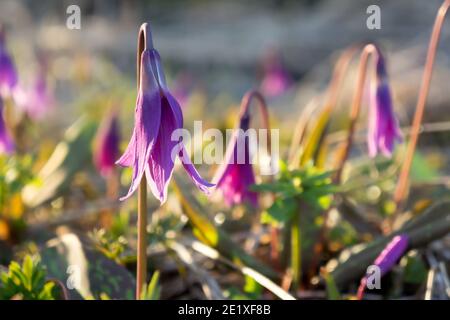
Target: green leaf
column 332, row 290
column 27, row 281
column 415, row 270
column 315, row 138
column 281, row 211
column 153, row 290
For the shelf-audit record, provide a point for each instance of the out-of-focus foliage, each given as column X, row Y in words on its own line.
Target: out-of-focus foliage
column 310, row 184
column 251, row 291
column 26, row 281
column 152, row 291
column 69, row 157
column 15, row 171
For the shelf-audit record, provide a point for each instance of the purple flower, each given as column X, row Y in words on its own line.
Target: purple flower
column 383, row 128
column 276, row 79
column 387, row 258
column 39, row 99
column 151, row 149
column 8, row 74
column 235, row 176
column 6, row 143
column 107, row 145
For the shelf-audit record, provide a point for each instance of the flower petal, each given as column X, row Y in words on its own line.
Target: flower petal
column 162, row 157
column 202, row 184
column 235, row 176
column 8, row 74
column 176, row 109
column 147, row 123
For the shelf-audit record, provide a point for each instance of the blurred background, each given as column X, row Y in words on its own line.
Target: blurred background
column 213, row 52
column 220, row 46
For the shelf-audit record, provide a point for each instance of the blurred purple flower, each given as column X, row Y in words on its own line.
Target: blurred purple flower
column 8, row 74
column 151, row 149
column 106, row 148
column 276, row 80
column 393, row 251
column 383, row 128
column 235, row 176
column 39, row 99
column 6, row 143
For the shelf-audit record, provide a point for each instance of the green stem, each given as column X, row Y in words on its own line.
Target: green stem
column 296, row 252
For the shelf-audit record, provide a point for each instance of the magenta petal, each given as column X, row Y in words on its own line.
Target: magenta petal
column 107, row 145
column 162, row 157
column 393, row 251
column 176, row 109
column 202, row 184
column 383, row 128
column 233, row 178
column 147, row 123
column 8, row 74
column 128, row 157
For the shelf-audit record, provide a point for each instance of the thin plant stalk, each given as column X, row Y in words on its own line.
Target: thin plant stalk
column 141, row 277
column 334, row 88
column 332, row 96
column 367, row 51
column 112, row 191
column 245, row 105
column 144, row 42
column 296, row 252
column 402, row 184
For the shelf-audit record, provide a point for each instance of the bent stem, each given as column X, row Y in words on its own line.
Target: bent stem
column 245, row 105
column 402, row 184
column 332, row 95
column 367, row 51
column 144, row 42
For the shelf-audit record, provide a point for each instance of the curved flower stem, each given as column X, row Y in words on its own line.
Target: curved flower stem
column 402, row 184
column 367, row 51
column 245, row 105
column 144, row 42
column 339, row 72
column 332, row 95
column 64, row 292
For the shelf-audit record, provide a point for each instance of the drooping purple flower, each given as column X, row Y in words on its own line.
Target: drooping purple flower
column 276, row 80
column 106, row 147
column 383, row 128
column 393, row 251
column 235, row 176
column 6, row 143
column 151, row 150
column 8, row 74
